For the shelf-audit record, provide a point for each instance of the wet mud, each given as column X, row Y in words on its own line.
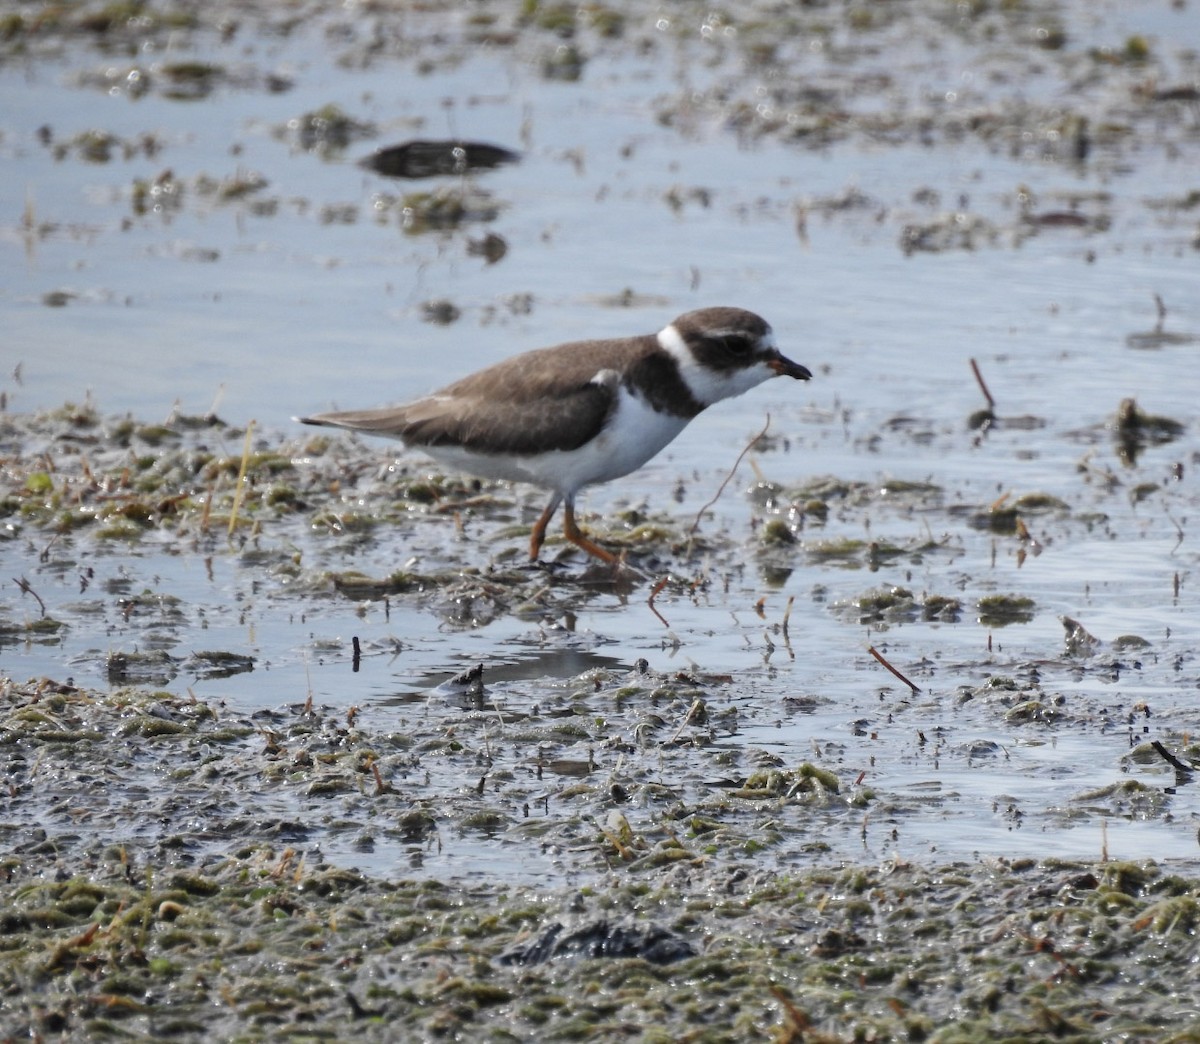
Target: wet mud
column 171, row 850
column 923, row 762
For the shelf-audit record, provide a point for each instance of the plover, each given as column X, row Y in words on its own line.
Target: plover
column 585, row 412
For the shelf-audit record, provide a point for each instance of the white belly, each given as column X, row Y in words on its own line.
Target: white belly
column 634, row 434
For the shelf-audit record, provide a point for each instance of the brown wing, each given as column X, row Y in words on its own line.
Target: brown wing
column 553, row 398
column 562, row 420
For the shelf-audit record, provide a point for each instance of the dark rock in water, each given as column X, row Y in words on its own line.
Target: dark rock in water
column 218, row 664
column 602, row 939
column 471, row 679
column 153, row 667
column 428, row 159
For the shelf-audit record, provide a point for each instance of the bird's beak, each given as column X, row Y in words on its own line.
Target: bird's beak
column 784, row 367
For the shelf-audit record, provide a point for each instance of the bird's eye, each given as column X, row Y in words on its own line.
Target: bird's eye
column 734, row 344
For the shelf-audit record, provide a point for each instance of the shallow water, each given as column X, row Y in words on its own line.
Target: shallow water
column 313, row 301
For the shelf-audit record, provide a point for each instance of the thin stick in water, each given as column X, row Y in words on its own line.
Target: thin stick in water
column 241, row 479
column 654, row 592
column 728, row 478
column 879, row 656
column 983, row 386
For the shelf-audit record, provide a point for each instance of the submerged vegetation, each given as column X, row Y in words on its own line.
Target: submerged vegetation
column 879, row 687
column 216, row 922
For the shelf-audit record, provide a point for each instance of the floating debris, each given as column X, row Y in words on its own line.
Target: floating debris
column 1001, row 610
column 326, row 130
column 1079, row 641
column 218, row 664
column 1135, row 430
column 1160, row 337
column 442, row 210
column 440, row 312
column 491, row 248
column 430, row 159
column 189, row 81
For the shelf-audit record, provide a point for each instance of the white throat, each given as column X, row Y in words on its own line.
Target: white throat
column 707, row 385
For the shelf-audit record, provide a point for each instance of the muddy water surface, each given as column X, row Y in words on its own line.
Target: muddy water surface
column 900, row 190
column 183, row 238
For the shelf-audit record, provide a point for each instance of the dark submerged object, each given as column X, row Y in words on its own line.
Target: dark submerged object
column 602, row 938
column 428, row 159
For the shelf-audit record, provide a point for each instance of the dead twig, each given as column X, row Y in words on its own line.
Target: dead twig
column 241, row 479
column 27, row 588
column 728, row 478
column 696, row 713
column 1171, row 760
column 983, row 386
column 382, row 786
column 654, row 592
column 879, row 656
column 44, row 555
column 796, row 1024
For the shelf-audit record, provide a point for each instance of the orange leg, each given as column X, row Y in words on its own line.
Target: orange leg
column 575, row 535
column 538, row 536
